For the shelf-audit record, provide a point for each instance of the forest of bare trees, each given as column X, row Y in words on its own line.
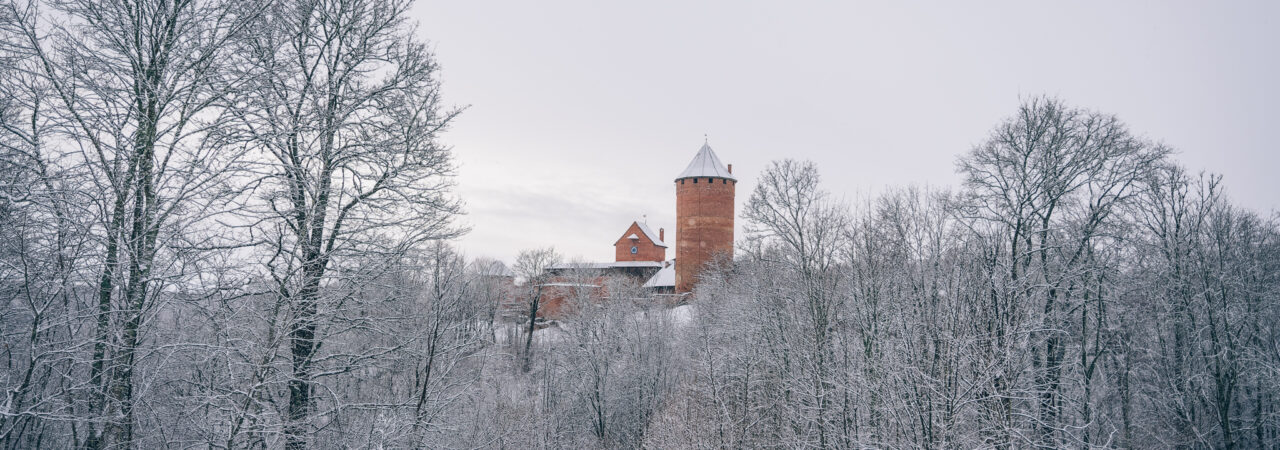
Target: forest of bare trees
column 230, row 224
column 1079, row 290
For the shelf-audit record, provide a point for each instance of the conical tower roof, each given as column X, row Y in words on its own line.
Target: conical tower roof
column 706, row 164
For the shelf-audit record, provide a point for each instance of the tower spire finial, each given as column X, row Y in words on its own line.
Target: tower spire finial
column 705, row 140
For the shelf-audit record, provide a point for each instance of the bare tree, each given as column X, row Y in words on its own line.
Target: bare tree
column 494, row 284
column 532, row 266
column 343, row 106
column 1203, row 273
column 789, row 210
column 132, row 86
column 45, row 248
column 1051, row 180
column 453, row 314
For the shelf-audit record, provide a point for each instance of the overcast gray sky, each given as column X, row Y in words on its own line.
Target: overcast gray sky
column 582, row 113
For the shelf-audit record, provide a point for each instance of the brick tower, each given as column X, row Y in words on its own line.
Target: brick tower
column 704, row 216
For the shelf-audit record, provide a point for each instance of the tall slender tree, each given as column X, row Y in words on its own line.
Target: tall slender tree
column 343, row 107
column 133, row 86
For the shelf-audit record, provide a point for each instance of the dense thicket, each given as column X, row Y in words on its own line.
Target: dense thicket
column 225, row 224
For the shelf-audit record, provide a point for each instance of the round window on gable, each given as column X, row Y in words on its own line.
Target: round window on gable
column 634, row 249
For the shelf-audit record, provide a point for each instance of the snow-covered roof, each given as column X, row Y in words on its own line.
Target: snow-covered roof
column 706, row 164
column 633, row 236
column 651, row 235
column 664, row 278
column 609, row 265
column 580, row 266
column 636, row 264
column 570, row 285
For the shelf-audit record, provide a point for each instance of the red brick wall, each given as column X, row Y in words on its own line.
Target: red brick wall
column 704, row 225
column 646, row 250
column 557, row 302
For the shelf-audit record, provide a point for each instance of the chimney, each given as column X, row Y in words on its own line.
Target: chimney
column 662, row 234
column 731, row 169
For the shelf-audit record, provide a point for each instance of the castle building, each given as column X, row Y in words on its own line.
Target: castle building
column 704, row 232
column 704, row 216
column 638, row 253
